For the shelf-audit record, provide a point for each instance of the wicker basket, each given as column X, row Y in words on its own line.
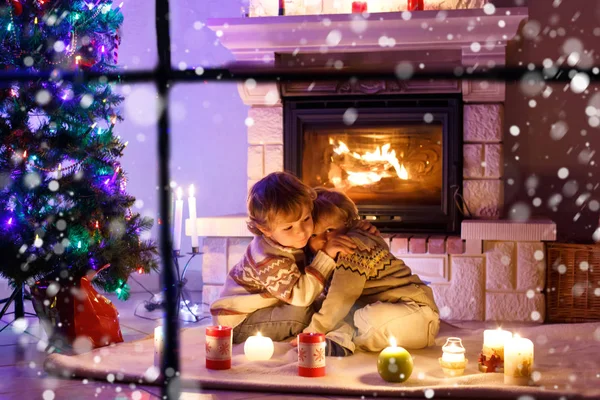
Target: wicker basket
column 573, row 283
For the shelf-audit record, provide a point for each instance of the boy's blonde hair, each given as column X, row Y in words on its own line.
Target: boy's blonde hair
column 277, row 195
column 332, row 202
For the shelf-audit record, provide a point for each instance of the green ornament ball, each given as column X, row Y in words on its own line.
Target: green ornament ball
column 395, row 364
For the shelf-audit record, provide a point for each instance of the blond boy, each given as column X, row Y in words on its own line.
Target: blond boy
column 271, row 290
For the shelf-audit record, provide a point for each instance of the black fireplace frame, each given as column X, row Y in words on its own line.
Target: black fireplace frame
column 301, row 112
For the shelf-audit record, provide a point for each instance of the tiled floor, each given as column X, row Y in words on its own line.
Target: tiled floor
column 22, row 376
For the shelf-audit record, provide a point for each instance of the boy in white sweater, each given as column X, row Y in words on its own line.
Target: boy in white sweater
column 371, row 290
column 271, row 290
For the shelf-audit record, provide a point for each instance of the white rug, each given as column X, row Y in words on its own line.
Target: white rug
column 567, row 357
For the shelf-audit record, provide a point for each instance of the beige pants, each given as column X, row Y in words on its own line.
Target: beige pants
column 413, row 326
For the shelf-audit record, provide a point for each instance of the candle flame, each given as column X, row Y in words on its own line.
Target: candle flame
column 393, row 342
column 179, row 193
column 517, row 336
column 259, row 334
column 191, row 190
column 220, row 327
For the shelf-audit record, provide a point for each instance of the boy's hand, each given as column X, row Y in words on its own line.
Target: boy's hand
column 339, row 244
column 368, row 227
column 294, row 342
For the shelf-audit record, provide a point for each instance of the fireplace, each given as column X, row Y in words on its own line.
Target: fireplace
column 398, row 157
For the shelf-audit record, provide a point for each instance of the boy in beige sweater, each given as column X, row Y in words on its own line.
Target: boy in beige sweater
column 371, row 290
column 271, row 290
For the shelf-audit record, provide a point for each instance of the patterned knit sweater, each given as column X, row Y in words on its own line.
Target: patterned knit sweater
column 369, row 275
column 268, row 274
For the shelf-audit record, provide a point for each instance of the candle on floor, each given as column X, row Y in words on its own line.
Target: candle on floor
column 258, row 348
column 158, row 345
column 311, row 354
column 359, row 7
column 192, row 210
column 178, row 221
column 518, row 361
column 491, row 358
column 218, row 347
column 394, row 363
column 453, row 361
column 415, row 5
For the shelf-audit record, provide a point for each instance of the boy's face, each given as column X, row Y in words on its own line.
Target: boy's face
column 325, row 228
column 292, row 233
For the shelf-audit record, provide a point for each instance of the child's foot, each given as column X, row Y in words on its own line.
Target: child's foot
column 336, row 350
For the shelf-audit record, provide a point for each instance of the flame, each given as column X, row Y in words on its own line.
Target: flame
column 382, row 154
column 393, row 342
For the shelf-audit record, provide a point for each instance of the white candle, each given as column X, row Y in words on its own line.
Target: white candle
column 192, row 209
column 495, row 338
column 518, row 361
column 158, row 345
column 491, row 358
column 178, row 220
column 258, row 348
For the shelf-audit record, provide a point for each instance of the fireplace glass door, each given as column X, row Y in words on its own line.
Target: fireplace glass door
column 377, row 165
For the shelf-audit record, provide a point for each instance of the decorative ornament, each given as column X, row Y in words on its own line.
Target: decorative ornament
column 17, row 7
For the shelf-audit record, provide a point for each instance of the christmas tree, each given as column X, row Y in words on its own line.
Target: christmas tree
column 63, row 202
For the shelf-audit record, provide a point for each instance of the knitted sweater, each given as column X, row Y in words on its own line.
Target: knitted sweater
column 268, row 274
column 369, row 275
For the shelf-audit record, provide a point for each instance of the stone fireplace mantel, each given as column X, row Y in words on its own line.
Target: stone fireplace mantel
column 261, row 39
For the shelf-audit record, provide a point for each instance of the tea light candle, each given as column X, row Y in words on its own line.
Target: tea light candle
column 258, row 348
column 491, row 358
column 453, row 361
column 311, row 355
column 359, row 7
column 158, row 345
column 518, row 361
column 218, row 347
column 394, row 363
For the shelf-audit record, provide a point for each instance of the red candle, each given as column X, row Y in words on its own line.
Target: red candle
column 311, row 354
column 359, row 6
column 218, row 347
column 414, row 5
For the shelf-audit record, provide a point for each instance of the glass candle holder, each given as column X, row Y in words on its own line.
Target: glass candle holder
column 453, row 361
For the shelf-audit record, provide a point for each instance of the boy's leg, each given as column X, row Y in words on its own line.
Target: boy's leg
column 279, row 323
column 413, row 326
column 342, row 335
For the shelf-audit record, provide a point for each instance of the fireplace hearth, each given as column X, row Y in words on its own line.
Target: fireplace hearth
column 398, row 157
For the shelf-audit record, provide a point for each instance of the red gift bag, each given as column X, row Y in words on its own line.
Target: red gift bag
column 70, row 310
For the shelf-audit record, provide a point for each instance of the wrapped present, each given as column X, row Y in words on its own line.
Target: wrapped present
column 72, row 309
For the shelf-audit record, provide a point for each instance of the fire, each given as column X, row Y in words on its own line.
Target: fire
column 367, row 168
